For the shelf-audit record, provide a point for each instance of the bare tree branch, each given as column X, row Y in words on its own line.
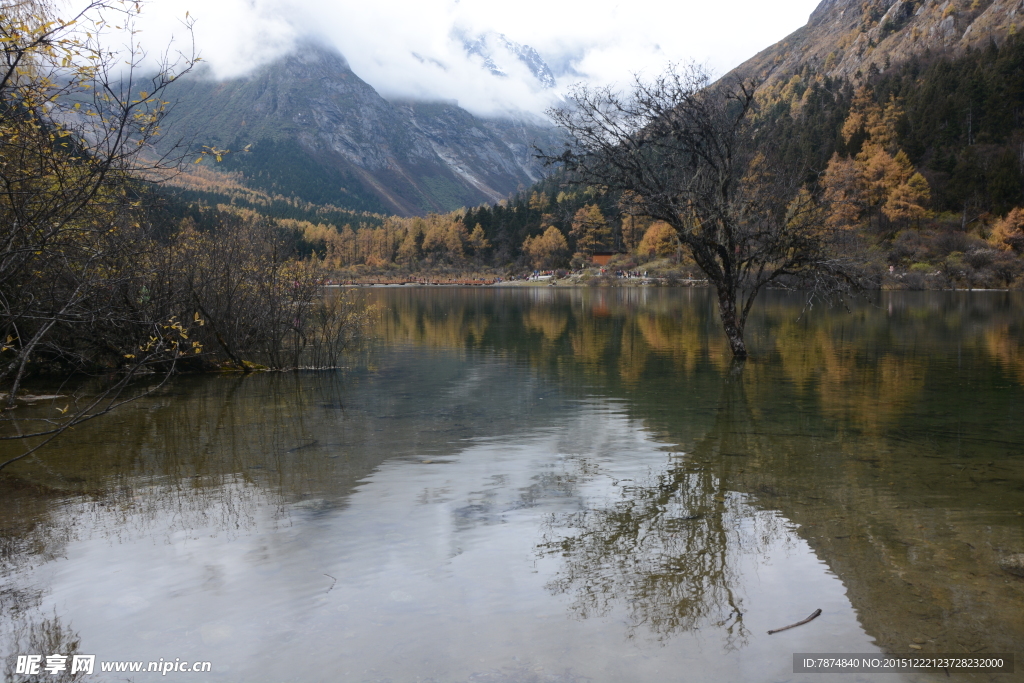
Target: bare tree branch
column 688, row 152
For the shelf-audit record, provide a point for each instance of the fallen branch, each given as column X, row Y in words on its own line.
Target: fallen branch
column 813, row 616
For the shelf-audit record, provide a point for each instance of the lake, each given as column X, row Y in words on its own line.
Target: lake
column 547, row 485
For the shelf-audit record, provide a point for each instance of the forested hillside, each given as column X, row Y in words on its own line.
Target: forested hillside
column 960, row 122
column 953, row 123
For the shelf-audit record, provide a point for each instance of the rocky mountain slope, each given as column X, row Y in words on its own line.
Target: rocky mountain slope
column 854, row 38
column 495, row 48
column 316, row 131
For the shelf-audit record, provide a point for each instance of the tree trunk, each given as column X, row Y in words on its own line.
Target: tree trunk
column 733, row 322
column 25, row 354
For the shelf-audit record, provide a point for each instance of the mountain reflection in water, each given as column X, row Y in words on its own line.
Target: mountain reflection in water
column 549, row 485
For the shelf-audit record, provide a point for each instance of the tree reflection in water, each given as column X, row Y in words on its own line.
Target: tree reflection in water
column 44, row 636
column 667, row 547
column 888, row 438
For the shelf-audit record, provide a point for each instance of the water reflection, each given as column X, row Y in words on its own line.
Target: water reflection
column 549, row 485
column 46, row 635
column 667, row 544
column 890, row 433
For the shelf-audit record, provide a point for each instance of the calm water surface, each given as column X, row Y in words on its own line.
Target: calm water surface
column 545, row 485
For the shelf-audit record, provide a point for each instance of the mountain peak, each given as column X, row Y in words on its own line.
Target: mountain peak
column 499, row 53
column 318, row 132
column 829, row 8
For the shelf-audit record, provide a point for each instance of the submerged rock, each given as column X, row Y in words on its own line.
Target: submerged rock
column 1013, row 564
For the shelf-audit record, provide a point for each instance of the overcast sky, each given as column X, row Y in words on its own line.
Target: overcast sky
column 410, row 48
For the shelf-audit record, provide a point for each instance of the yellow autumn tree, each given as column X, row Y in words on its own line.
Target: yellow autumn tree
column 905, row 201
column 444, row 238
column 548, row 250
column 842, row 192
column 538, row 201
column 1008, row 233
column 409, row 250
column 478, row 243
column 659, row 240
column 591, row 230
column 343, row 251
column 879, row 185
column 634, row 224
column 868, row 118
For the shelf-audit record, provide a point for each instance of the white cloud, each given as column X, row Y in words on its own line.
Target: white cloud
column 410, row 48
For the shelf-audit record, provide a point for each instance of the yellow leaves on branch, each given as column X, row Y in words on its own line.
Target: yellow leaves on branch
column 210, row 151
column 171, row 339
column 56, row 152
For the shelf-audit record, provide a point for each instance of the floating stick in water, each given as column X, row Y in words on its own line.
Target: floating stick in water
column 815, row 615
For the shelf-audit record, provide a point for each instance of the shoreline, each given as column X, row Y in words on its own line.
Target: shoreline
column 651, row 282
column 541, row 281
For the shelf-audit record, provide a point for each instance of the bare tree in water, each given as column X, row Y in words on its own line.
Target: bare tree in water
column 691, row 153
